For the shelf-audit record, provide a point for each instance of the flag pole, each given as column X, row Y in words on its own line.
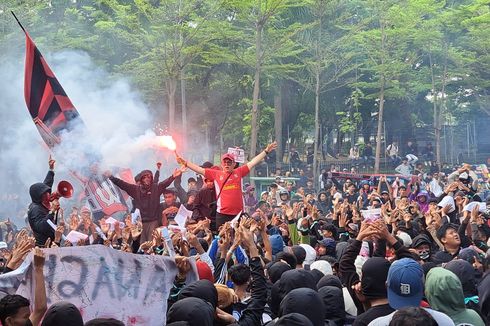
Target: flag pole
column 18, row 22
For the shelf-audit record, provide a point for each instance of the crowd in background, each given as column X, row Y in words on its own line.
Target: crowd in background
column 411, row 249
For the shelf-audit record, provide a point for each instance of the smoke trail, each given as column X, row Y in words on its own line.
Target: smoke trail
column 118, row 127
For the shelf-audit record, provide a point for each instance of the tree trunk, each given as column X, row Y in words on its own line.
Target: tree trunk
column 380, row 126
column 317, row 129
column 256, row 92
column 278, row 125
column 379, row 132
column 438, row 105
column 442, row 106
column 184, row 111
column 171, row 85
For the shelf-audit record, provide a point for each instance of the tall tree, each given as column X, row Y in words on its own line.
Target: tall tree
column 262, row 39
column 385, row 57
column 326, row 60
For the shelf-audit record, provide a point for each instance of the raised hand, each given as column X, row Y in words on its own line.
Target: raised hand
column 38, row 258
column 136, row 231
column 183, row 266
column 271, row 147
column 156, row 238
column 177, row 173
column 51, row 162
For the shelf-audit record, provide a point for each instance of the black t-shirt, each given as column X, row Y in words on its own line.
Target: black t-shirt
column 351, row 198
column 377, row 311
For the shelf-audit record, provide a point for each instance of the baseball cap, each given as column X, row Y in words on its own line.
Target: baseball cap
column 228, row 156
column 207, row 165
column 405, row 283
column 327, row 242
column 441, row 232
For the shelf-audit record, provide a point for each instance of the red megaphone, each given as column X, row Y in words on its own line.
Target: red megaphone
column 64, row 189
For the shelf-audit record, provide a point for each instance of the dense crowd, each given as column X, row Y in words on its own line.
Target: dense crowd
column 386, row 250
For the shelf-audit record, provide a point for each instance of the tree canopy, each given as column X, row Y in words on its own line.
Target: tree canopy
column 309, row 69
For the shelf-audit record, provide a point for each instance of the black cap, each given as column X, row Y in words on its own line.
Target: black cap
column 441, row 232
column 207, row 165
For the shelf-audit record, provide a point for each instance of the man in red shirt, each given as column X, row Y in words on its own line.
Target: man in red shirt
column 228, row 181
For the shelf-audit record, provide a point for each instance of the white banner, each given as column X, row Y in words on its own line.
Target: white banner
column 238, row 153
column 103, row 282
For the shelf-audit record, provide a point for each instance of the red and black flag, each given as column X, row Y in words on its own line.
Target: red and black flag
column 49, row 106
column 53, row 113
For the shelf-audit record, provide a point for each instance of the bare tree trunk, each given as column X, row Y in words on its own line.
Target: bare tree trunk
column 256, row 92
column 278, row 125
column 171, row 85
column 379, row 133
column 438, row 104
column 184, row 111
column 442, row 106
column 317, row 129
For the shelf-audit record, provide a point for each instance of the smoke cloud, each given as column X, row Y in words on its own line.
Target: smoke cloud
column 119, row 128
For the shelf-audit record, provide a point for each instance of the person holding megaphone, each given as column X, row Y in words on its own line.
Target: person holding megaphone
column 45, row 206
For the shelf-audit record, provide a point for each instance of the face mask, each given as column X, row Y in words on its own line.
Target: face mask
column 424, row 254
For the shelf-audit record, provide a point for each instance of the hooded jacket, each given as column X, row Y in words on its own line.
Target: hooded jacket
column 61, row 314
column 276, row 270
column 290, row 280
column 333, row 301
column 195, row 311
column 466, row 274
column 484, row 293
column 444, row 291
column 302, row 301
column 147, row 200
column 424, row 206
column 292, row 319
column 201, row 208
column 202, row 289
column 325, row 205
column 38, row 214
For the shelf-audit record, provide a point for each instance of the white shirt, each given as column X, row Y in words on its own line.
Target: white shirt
column 441, row 318
column 435, row 188
column 404, row 170
column 392, row 150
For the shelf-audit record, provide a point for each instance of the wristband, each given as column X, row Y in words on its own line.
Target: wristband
column 266, row 152
column 230, row 252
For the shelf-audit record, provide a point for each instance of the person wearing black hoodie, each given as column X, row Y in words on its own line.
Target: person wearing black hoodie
column 62, row 313
column 193, row 311
column 324, row 202
column 42, row 208
column 293, row 319
column 484, row 296
column 466, row 274
column 290, row 280
column 302, row 301
column 146, row 197
column 333, row 301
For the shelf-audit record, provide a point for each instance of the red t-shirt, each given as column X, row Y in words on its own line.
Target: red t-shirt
column 231, row 200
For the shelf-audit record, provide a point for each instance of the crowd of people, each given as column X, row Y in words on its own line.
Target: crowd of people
column 407, row 250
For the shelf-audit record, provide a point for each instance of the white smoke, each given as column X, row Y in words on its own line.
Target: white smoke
column 119, row 127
